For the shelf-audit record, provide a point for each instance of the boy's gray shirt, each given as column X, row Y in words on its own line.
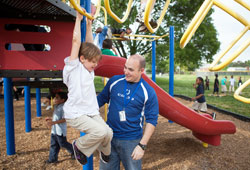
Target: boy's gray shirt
column 58, row 114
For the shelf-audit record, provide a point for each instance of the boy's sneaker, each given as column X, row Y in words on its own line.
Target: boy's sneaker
column 214, row 115
column 104, row 158
column 79, row 156
column 153, row 23
column 48, row 107
column 143, row 28
column 43, row 104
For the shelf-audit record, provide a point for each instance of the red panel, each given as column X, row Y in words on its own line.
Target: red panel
column 59, row 39
column 203, row 127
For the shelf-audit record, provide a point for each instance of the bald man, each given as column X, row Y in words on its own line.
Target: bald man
column 131, row 99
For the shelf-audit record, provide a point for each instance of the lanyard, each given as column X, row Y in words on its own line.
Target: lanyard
column 125, row 96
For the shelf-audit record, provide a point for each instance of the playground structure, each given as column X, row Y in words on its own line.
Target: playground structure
column 194, row 25
column 39, row 63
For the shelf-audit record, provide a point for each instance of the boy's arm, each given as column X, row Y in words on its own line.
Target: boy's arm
column 76, row 41
column 50, row 122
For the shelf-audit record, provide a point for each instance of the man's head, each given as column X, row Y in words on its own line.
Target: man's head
column 89, row 55
column 134, row 67
column 128, row 30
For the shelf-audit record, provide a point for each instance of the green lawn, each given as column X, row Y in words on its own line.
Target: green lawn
column 183, row 85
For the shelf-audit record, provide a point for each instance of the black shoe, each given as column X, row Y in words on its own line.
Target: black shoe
column 104, row 158
column 79, row 156
column 50, row 162
column 153, row 23
column 73, row 156
column 214, row 115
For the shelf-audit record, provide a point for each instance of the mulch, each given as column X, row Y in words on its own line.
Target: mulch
column 171, row 146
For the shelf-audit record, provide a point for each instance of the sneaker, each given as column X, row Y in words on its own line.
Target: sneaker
column 79, row 156
column 214, row 115
column 48, row 108
column 104, row 158
column 50, row 162
column 72, row 156
column 43, row 105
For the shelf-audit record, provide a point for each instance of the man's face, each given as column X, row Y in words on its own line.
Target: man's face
column 132, row 70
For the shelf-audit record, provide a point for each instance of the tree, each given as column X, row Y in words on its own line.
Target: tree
column 203, row 45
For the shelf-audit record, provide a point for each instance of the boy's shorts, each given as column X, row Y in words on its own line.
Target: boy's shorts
column 200, row 106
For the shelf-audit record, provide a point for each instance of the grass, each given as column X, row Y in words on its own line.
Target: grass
column 183, row 85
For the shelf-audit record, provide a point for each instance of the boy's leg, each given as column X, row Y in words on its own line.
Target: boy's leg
column 62, row 140
column 105, row 146
column 94, row 133
column 54, row 149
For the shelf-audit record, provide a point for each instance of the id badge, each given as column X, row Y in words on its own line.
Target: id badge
column 122, row 115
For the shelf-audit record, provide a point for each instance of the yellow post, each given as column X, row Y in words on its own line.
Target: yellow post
column 106, row 105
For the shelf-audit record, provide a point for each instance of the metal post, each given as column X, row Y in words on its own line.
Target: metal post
column 38, row 102
column 153, row 59
column 27, row 108
column 171, row 63
column 9, row 117
column 87, row 5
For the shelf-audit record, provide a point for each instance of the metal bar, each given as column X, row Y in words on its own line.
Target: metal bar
column 38, row 102
column 9, row 117
column 153, row 59
column 171, row 61
column 27, row 109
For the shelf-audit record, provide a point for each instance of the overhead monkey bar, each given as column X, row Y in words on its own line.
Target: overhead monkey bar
column 199, row 17
column 147, row 15
column 150, row 37
column 114, row 16
column 79, row 9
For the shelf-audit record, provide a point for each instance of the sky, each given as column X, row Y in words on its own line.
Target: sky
column 228, row 28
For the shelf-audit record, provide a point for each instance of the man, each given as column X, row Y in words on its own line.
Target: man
column 130, row 99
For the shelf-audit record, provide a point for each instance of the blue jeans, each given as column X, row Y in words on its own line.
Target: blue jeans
column 121, row 151
column 56, row 142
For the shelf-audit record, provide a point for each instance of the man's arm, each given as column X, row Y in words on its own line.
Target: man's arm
column 138, row 151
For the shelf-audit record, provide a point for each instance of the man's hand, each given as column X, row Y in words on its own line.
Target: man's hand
column 137, row 153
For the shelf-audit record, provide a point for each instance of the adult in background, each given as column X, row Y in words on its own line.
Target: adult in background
column 131, row 99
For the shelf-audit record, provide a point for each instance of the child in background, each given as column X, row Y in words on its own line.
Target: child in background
column 216, row 85
column 224, row 85
column 81, row 109
column 107, row 46
column 207, row 83
column 58, row 129
column 232, row 82
column 200, row 101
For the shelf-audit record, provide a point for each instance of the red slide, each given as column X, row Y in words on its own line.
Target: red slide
column 203, row 127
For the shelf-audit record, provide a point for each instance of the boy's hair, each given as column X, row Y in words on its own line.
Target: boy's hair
column 216, row 75
column 62, row 95
column 128, row 29
column 90, row 51
column 107, row 44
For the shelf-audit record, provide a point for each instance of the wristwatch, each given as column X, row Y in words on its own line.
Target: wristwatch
column 142, row 146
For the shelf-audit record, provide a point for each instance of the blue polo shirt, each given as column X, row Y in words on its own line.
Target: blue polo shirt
column 143, row 104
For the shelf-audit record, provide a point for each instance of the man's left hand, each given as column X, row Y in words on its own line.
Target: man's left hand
column 137, row 153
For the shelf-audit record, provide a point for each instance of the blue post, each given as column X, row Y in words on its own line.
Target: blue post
column 153, row 59
column 38, row 102
column 87, row 5
column 27, row 108
column 171, row 62
column 9, row 116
